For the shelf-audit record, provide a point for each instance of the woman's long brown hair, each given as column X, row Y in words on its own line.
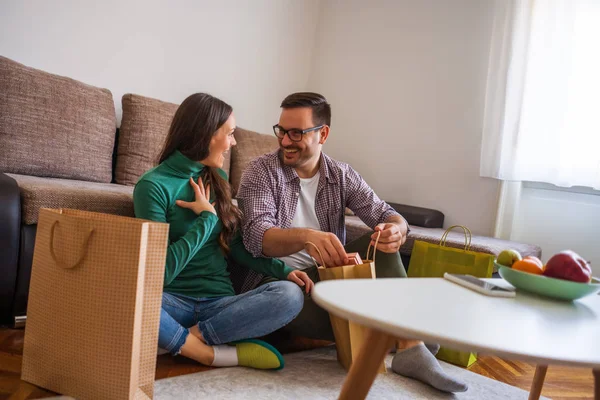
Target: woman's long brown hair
column 196, row 121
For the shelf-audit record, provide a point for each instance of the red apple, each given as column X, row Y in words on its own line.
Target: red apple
column 570, row 266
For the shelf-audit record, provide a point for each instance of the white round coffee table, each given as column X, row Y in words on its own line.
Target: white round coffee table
column 527, row 327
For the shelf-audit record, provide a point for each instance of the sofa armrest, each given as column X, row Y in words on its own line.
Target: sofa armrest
column 425, row 217
column 10, row 228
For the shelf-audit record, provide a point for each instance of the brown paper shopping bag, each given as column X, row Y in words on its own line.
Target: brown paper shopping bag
column 94, row 305
column 349, row 336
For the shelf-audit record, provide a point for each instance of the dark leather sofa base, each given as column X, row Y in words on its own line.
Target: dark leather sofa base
column 24, row 273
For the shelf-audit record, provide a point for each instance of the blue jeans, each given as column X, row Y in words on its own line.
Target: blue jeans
column 226, row 319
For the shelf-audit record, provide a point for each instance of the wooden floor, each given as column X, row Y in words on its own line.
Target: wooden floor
column 561, row 382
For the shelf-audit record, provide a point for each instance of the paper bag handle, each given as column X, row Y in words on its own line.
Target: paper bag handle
column 83, row 250
column 467, row 232
column 374, row 247
column 320, row 255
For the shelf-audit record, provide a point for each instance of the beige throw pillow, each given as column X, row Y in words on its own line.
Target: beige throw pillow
column 144, row 127
column 53, row 126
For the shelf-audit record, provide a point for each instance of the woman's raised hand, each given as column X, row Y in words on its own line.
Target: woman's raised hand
column 202, row 202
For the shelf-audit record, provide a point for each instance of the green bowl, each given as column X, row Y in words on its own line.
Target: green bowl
column 545, row 286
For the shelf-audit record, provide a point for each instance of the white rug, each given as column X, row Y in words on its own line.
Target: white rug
column 316, row 374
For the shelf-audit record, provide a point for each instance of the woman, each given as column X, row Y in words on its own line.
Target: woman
column 188, row 190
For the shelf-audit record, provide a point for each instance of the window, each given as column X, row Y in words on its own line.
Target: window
column 542, row 114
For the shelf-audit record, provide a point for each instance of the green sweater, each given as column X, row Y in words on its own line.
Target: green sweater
column 195, row 264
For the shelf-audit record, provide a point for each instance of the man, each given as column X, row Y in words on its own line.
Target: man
column 298, row 195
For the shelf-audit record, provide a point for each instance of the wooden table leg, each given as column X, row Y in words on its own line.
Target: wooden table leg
column 596, row 384
column 538, row 382
column 364, row 369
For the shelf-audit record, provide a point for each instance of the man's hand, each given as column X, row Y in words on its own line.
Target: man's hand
column 301, row 279
column 331, row 248
column 392, row 237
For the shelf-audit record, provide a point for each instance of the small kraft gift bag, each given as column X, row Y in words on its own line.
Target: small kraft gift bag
column 433, row 260
column 94, row 305
column 349, row 336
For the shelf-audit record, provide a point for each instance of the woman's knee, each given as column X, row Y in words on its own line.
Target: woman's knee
column 290, row 297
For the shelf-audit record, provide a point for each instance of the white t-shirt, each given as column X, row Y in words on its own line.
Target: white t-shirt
column 305, row 217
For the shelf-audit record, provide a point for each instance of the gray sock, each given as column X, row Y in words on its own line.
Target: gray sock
column 433, row 348
column 417, row 362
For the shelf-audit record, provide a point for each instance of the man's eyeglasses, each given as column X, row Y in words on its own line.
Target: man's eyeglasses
column 295, row 135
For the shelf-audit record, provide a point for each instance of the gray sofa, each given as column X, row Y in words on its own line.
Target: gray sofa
column 60, row 148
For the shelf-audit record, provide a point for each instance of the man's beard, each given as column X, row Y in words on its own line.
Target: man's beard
column 294, row 164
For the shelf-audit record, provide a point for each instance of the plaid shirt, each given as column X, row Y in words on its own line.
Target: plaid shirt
column 268, row 196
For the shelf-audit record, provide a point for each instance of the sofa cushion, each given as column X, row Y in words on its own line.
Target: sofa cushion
column 144, row 128
column 142, row 134
column 456, row 239
column 356, row 228
column 54, row 126
column 39, row 192
column 250, row 145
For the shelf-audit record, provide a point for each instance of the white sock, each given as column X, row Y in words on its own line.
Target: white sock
column 225, row 356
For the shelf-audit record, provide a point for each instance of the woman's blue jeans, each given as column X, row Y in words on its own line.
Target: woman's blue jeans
column 226, row 319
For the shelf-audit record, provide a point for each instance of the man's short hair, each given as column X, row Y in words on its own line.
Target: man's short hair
column 321, row 110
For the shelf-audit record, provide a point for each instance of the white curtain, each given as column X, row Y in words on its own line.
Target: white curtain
column 542, row 111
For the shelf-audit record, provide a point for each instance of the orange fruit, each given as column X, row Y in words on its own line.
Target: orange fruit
column 529, row 265
column 537, row 260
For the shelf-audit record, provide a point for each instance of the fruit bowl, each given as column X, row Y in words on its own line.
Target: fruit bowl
column 550, row 287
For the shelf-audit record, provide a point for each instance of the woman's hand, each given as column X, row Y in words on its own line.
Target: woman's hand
column 301, row 279
column 202, row 202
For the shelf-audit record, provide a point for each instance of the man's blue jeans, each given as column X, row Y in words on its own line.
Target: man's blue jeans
column 226, row 319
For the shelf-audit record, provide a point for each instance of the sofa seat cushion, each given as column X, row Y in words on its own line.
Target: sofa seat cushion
column 54, row 126
column 456, row 239
column 55, row 193
column 144, row 128
column 355, row 228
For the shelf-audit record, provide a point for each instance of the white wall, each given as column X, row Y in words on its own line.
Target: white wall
column 559, row 220
column 249, row 53
column 406, row 80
